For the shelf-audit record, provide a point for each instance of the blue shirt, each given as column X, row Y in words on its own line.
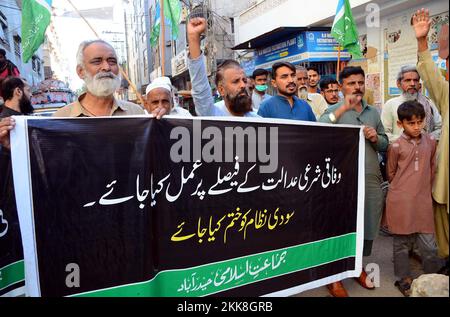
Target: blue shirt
column 278, row 107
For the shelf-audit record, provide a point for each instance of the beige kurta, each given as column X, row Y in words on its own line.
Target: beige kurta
column 120, row 108
column 409, row 204
column 438, row 88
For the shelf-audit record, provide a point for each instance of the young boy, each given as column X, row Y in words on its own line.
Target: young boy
column 409, row 205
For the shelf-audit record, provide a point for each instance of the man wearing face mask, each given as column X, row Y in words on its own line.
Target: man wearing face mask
column 315, row 100
column 231, row 81
column 259, row 95
column 408, row 80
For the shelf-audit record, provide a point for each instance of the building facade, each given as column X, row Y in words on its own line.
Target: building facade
column 11, row 42
column 145, row 62
column 386, row 37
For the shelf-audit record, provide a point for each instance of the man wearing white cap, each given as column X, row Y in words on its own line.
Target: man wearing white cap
column 160, row 94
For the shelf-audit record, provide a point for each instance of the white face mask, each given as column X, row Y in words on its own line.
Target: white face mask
column 102, row 84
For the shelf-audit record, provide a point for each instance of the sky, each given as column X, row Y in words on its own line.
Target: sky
column 72, row 31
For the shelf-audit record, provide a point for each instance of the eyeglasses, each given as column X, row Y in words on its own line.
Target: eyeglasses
column 331, row 91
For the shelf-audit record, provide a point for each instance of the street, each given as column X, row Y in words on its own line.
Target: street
column 382, row 255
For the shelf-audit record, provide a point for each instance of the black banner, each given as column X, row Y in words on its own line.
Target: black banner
column 12, row 274
column 188, row 207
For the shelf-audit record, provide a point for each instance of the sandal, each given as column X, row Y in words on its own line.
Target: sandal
column 404, row 286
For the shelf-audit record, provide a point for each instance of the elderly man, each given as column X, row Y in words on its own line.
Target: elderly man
column 231, row 80
column 408, row 80
column 355, row 111
column 315, row 100
column 438, row 88
column 97, row 66
column 160, row 94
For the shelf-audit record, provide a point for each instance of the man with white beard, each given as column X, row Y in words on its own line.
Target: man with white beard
column 316, row 101
column 408, row 81
column 97, row 65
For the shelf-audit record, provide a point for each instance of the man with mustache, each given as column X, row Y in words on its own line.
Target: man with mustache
column 286, row 105
column 315, row 100
column 355, row 111
column 161, row 93
column 408, row 81
column 231, row 81
column 97, row 65
column 329, row 89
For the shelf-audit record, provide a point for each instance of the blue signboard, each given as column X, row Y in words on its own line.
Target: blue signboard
column 248, row 67
column 307, row 46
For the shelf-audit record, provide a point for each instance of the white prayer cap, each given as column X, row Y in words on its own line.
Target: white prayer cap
column 160, row 82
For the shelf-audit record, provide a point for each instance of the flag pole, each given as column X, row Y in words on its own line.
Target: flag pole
column 122, row 71
column 163, row 40
column 338, row 68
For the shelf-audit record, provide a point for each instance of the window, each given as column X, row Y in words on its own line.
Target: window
column 17, row 41
column 36, row 64
column 3, row 30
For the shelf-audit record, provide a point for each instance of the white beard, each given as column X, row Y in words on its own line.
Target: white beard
column 303, row 93
column 409, row 96
column 101, row 85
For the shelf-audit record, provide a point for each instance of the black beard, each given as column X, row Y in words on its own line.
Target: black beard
column 240, row 104
column 25, row 105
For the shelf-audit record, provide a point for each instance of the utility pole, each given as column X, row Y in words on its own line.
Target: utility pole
column 210, row 38
column 163, row 40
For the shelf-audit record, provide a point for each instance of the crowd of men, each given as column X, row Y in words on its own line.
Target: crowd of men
column 412, row 129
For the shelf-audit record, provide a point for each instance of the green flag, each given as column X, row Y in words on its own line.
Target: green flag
column 35, row 19
column 172, row 14
column 344, row 29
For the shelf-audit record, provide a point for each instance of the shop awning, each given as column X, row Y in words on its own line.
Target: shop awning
column 273, row 36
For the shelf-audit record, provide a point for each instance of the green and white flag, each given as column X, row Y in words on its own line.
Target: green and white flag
column 344, row 29
column 35, row 19
column 172, row 14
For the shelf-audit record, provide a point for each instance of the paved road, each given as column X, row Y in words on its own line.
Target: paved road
column 382, row 255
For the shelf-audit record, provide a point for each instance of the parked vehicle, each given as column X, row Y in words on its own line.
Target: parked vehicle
column 49, row 96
